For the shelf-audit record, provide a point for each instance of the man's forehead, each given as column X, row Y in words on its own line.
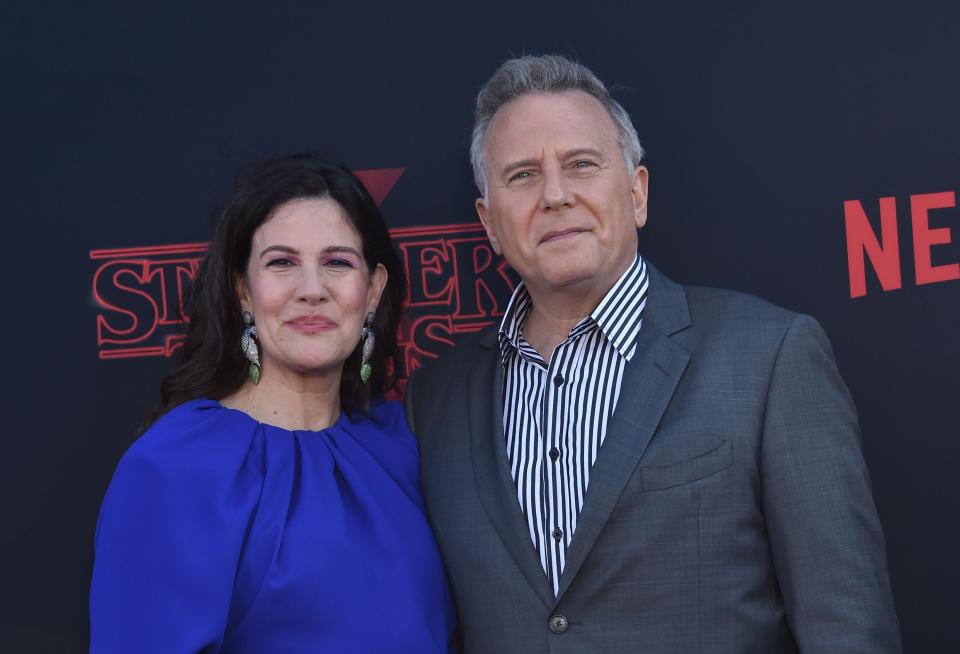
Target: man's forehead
column 567, row 120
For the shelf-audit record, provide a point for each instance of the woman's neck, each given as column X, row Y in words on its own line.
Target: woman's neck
column 290, row 400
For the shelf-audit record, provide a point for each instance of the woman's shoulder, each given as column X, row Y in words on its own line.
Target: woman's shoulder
column 389, row 413
column 388, row 418
column 173, row 521
column 195, row 439
column 199, row 462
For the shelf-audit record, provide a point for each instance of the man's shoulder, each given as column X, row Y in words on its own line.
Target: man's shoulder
column 724, row 305
column 743, row 322
column 705, row 315
column 677, row 305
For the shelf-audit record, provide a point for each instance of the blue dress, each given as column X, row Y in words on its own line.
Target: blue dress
column 222, row 534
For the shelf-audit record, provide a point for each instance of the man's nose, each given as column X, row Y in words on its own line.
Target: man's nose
column 556, row 190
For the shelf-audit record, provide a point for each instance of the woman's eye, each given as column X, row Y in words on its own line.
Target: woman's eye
column 279, row 262
column 339, row 264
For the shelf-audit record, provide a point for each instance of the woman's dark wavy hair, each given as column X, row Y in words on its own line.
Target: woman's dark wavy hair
column 211, row 363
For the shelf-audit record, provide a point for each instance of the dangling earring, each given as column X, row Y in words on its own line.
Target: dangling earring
column 249, row 347
column 368, row 339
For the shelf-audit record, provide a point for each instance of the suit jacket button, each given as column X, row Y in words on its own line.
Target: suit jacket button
column 558, row 624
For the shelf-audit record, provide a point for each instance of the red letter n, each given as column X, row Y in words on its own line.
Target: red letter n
column 883, row 254
column 925, row 238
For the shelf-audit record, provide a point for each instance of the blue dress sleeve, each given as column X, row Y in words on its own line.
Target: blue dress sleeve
column 171, row 532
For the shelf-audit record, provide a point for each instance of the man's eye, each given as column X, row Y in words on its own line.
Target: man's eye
column 523, row 174
column 583, row 164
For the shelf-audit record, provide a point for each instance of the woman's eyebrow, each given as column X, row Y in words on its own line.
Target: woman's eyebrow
column 279, row 248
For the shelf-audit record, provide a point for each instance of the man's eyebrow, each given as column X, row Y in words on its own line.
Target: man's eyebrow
column 523, row 163
column 577, row 152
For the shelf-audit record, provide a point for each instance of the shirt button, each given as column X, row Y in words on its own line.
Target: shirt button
column 558, row 624
column 557, row 533
column 558, row 380
column 554, row 453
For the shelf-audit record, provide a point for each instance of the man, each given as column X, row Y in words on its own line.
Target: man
column 625, row 464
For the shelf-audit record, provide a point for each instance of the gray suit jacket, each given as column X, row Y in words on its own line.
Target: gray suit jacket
column 729, row 509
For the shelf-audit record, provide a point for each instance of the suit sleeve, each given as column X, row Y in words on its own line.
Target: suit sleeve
column 825, row 535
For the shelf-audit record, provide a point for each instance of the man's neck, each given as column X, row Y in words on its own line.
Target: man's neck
column 544, row 330
column 554, row 314
column 556, row 311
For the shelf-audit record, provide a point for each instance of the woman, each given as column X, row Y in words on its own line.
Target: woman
column 274, row 506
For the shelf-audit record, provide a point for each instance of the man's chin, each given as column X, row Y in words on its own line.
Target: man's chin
column 572, row 277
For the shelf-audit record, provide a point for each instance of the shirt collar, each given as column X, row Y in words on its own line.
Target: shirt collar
column 618, row 315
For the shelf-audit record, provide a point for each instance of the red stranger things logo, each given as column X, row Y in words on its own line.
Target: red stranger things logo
column 457, row 286
column 141, row 295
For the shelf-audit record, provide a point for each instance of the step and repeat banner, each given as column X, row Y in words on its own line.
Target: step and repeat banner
column 807, row 156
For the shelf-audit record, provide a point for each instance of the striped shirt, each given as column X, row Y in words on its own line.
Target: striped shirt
column 555, row 416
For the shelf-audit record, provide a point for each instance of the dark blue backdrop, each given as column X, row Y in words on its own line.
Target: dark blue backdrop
column 122, row 127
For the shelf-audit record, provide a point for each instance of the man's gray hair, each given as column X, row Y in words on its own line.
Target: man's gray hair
column 544, row 74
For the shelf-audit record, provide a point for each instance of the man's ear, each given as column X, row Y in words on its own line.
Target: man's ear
column 484, row 213
column 378, row 281
column 638, row 189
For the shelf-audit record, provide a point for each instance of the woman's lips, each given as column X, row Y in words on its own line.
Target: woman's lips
column 311, row 324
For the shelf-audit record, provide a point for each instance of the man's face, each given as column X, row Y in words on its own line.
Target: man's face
column 560, row 206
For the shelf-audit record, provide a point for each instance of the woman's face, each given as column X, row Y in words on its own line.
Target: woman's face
column 308, row 288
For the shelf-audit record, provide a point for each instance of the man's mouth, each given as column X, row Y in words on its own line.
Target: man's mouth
column 560, row 234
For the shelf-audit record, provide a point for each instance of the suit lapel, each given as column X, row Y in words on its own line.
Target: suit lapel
column 495, row 485
column 649, row 382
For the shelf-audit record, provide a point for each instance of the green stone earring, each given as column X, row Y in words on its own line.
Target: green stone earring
column 249, row 347
column 368, row 340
